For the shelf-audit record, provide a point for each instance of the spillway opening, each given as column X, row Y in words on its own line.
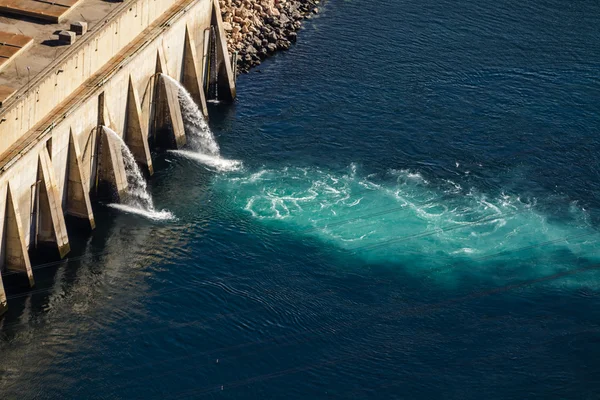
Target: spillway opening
column 134, row 198
column 202, row 145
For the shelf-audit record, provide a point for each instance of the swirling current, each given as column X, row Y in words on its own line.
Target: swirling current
column 404, row 205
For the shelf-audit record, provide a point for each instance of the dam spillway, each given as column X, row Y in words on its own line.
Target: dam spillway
column 56, row 156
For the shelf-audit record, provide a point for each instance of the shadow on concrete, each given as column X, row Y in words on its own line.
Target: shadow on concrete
column 52, row 43
column 26, row 18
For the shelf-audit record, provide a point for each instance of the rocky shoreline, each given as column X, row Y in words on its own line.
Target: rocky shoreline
column 258, row 28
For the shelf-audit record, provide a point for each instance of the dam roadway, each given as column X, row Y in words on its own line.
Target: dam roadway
column 55, row 95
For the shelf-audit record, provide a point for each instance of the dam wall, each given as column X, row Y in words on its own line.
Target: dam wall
column 54, row 158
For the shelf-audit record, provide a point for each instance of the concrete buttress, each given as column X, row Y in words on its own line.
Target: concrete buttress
column 16, row 257
column 112, row 178
column 225, row 78
column 51, row 129
column 136, row 130
column 78, row 202
column 169, row 130
column 51, row 221
column 3, row 303
column 192, row 77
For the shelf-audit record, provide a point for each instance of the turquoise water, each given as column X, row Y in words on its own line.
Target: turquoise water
column 409, row 210
column 439, row 230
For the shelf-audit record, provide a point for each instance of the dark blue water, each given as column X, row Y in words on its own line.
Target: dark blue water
column 416, row 217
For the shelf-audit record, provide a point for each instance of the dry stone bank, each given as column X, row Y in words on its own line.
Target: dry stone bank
column 257, row 28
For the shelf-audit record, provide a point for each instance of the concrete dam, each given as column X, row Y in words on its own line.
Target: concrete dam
column 79, row 81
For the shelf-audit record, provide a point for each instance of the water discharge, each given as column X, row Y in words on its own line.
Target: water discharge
column 204, row 147
column 218, row 163
column 440, row 231
column 138, row 200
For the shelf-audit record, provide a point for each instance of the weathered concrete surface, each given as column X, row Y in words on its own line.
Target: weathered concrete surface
column 112, row 34
column 77, row 196
column 121, row 91
column 3, row 302
column 169, row 130
column 112, row 178
column 53, row 11
column 51, row 226
column 192, row 75
column 14, row 248
column 13, row 45
column 40, row 56
column 226, row 78
column 136, row 130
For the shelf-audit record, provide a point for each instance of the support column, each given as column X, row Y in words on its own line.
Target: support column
column 226, row 79
column 13, row 241
column 78, row 202
column 112, row 178
column 52, row 227
column 136, row 131
column 3, row 302
column 103, row 114
column 192, row 77
column 168, row 125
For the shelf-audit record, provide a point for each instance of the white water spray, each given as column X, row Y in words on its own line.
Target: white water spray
column 200, row 135
column 138, row 200
column 205, row 148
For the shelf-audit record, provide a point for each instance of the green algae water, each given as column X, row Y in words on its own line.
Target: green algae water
column 405, row 205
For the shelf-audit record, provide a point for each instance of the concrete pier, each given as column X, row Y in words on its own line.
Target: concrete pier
column 192, row 73
column 136, row 130
column 77, row 197
column 14, row 249
column 111, row 177
column 225, row 77
column 169, row 131
column 55, row 155
column 51, row 226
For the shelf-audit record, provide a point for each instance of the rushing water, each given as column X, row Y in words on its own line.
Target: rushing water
column 446, row 231
column 416, row 217
column 138, row 200
column 203, row 147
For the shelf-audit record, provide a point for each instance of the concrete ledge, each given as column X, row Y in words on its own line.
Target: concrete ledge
column 11, row 45
column 53, row 11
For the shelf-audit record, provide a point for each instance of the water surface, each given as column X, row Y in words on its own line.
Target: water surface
column 413, row 214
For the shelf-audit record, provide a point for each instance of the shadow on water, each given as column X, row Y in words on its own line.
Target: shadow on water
column 174, row 297
column 96, row 258
column 51, row 273
column 366, row 312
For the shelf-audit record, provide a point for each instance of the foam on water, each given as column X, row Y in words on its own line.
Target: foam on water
column 215, row 162
column 163, row 215
column 430, row 229
column 201, row 140
column 138, row 200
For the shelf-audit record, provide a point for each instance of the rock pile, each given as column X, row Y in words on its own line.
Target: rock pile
column 258, row 28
